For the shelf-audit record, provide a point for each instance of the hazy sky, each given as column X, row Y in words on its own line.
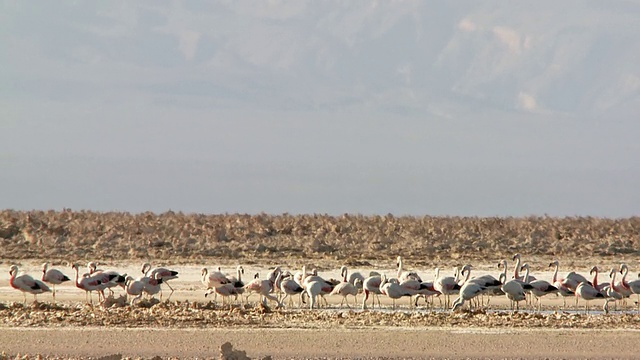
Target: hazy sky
column 405, row 107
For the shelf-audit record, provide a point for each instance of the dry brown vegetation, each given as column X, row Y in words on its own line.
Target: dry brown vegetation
column 352, row 239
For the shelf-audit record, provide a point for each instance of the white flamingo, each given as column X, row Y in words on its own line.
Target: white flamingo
column 134, row 287
column 165, row 275
column 394, row 291
column 540, row 288
column 53, row 277
column 405, row 275
column 468, row 291
column 345, row 288
column 26, row 284
column 588, row 293
column 371, row 286
column 634, row 287
column 446, row 285
column 564, row 289
column 290, row 287
column 116, row 279
column 516, row 275
column 226, row 291
column 514, row 291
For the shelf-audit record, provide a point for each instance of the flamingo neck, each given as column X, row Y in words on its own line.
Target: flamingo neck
column 595, row 279
column 613, row 280
column 624, row 277
column 515, row 272
column 13, row 277
column 78, row 284
column 466, row 278
column 526, row 274
column 555, row 274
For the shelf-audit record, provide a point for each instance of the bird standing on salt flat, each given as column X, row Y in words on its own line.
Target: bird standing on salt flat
column 371, row 286
column 514, row 291
column 53, row 277
column 26, row 284
column 447, row 286
column 165, row 275
column 539, row 288
column 588, row 293
column 134, row 287
column 345, row 288
column 468, row 291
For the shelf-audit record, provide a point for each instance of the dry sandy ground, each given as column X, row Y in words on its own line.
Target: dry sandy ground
column 334, row 343
column 319, row 334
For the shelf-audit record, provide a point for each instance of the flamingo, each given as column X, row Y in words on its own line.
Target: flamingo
column 116, row 279
column 394, row 291
column 152, row 285
column 345, row 288
column 514, row 291
column 405, row 275
column 516, row 275
column 53, row 277
column 634, row 286
column 264, row 287
column 354, row 277
column 621, row 286
column 91, row 283
column 488, row 282
column 225, row 291
column 600, row 287
column 468, row 291
column 447, row 286
column 165, row 275
column 563, row 289
column 213, row 279
column 609, row 293
column 371, row 285
column 314, row 289
column 26, row 284
column 588, row 293
column 134, row 288
column 540, row 288
column 290, row 287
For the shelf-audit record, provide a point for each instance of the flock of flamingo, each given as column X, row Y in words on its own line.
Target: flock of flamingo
column 281, row 285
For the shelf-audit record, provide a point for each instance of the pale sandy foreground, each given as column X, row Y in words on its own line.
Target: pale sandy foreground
column 337, row 343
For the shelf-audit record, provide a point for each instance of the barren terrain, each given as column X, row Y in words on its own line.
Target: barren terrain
column 190, row 326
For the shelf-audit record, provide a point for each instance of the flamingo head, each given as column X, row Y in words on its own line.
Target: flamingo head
column 593, row 270
column 256, row 276
column 623, row 267
column 204, row 271
column 343, row 269
column 524, row 267
column 612, row 272
column 145, row 266
column 241, row 269
column 466, row 268
column 516, row 256
column 13, row 269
